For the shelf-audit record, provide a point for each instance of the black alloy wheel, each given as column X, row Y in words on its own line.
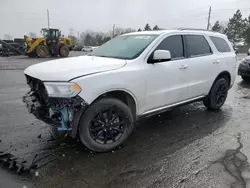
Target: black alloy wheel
column 220, row 94
column 217, row 95
column 105, row 125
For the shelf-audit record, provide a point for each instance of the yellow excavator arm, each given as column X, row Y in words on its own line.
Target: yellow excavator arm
column 31, row 45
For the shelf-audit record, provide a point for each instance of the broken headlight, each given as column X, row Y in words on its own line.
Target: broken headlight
column 62, row 89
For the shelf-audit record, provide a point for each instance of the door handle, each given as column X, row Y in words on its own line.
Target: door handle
column 183, row 67
column 216, row 62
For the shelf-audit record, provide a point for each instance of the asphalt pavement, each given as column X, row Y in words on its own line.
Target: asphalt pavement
column 185, row 147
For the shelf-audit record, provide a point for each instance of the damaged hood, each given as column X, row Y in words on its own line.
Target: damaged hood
column 70, row 68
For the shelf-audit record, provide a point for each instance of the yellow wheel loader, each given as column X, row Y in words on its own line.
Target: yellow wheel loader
column 52, row 44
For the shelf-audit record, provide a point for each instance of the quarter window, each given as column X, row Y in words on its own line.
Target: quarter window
column 173, row 44
column 220, row 44
column 197, row 45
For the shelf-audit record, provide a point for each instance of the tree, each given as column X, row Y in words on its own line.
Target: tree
column 217, row 27
column 99, row 39
column 147, row 27
column 236, row 27
column 119, row 31
column 88, row 40
column 156, row 27
column 139, row 29
column 73, row 39
column 128, row 30
column 106, row 39
column 7, row 37
column 246, row 34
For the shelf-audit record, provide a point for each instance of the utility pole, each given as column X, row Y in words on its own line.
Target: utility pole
column 113, row 31
column 48, row 18
column 209, row 16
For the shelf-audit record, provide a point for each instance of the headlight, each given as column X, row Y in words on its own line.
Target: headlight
column 62, row 89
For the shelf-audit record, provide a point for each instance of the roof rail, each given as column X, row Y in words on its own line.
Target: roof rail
column 196, row 29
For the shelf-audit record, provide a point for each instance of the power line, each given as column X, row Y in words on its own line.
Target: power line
column 232, row 9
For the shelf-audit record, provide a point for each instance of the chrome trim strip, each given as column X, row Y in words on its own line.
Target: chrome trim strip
column 172, row 105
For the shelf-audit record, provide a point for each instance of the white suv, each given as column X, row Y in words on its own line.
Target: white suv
column 99, row 97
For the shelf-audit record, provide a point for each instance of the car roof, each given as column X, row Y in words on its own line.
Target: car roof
column 161, row 32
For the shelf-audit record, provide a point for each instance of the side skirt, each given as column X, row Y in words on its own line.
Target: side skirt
column 168, row 107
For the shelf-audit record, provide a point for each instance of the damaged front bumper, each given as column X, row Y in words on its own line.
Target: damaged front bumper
column 62, row 113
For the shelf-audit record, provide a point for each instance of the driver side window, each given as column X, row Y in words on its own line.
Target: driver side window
column 174, row 44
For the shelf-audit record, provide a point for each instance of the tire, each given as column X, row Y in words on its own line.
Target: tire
column 217, row 95
column 246, row 78
column 42, row 51
column 94, row 128
column 64, row 51
column 31, row 55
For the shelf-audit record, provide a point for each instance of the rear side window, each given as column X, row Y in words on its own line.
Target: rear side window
column 220, row 44
column 173, row 44
column 197, row 45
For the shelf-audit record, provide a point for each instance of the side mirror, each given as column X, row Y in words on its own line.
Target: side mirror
column 160, row 56
column 248, row 53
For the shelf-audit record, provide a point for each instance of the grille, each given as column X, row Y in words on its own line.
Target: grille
column 38, row 87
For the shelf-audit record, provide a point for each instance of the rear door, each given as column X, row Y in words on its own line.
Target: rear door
column 201, row 63
column 226, row 56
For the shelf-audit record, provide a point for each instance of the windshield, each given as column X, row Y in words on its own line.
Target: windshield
column 45, row 34
column 124, row 47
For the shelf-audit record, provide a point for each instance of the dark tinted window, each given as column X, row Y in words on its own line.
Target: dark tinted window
column 220, row 44
column 197, row 45
column 174, row 45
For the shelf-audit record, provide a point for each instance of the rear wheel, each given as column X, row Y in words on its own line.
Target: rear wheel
column 64, row 51
column 105, row 125
column 42, row 51
column 217, row 95
column 246, row 78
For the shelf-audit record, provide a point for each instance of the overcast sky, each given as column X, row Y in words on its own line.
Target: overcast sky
column 19, row 17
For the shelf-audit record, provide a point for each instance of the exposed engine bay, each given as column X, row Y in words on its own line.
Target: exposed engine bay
column 58, row 112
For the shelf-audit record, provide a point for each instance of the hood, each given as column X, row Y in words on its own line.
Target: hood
column 70, row 68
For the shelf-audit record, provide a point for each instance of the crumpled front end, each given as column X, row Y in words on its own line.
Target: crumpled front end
column 62, row 113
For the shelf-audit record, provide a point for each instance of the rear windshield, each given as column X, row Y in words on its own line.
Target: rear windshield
column 220, row 44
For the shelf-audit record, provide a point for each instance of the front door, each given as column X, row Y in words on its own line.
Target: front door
column 166, row 82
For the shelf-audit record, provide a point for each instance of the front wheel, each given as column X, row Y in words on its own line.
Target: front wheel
column 42, row 51
column 64, row 51
column 105, row 125
column 217, row 95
